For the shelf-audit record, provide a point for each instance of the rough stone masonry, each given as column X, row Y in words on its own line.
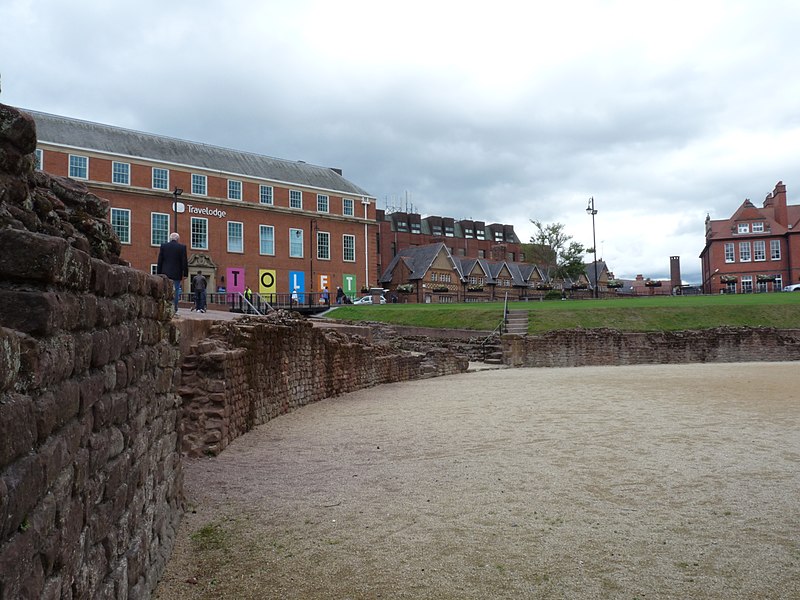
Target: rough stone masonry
column 90, row 471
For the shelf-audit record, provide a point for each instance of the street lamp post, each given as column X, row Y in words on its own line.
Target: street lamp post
column 591, row 210
column 177, row 192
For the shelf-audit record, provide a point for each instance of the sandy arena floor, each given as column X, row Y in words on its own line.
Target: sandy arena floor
column 675, row 481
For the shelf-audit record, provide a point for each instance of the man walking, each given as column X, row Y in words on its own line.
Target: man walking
column 199, row 285
column 173, row 262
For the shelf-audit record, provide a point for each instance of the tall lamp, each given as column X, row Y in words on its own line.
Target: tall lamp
column 177, row 192
column 591, row 210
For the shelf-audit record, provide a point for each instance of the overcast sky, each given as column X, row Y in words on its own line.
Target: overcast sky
column 496, row 111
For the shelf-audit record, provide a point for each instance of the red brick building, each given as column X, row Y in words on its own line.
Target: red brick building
column 463, row 238
column 247, row 220
column 756, row 250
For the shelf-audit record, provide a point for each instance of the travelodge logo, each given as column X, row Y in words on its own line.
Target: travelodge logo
column 211, row 212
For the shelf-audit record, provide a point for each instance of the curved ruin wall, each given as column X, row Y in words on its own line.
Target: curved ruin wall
column 90, row 473
column 245, row 373
column 578, row 348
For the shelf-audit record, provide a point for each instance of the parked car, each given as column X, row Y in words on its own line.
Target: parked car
column 795, row 287
column 368, row 300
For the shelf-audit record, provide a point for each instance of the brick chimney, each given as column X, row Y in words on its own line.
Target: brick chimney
column 777, row 200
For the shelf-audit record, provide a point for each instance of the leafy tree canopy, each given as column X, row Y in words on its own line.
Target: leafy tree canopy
column 555, row 252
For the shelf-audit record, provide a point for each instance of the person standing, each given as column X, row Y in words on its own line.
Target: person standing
column 199, row 285
column 173, row 262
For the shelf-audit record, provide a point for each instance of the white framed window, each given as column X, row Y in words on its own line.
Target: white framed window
column 295, row 199
column 121, row 223
column 758, row 227
column 759, row 250
column 199, row 233
column 266, row 240
column 295, row 243
column 747, row 284
column 743, row 228
column 744, row 252
column 322, row 203
column 349, row 248
column 235, row 236
column 160, row 178
column 323, row 245
column 729, row 253
column 120, row 173
column 159, row 228
column 265, row 194
column 774, row 249
column 234, row 189
column 39, row 158
column 347, row 207
column 78, row 166
column 199, row 185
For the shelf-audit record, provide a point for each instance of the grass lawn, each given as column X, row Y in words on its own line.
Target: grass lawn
column 656, row 313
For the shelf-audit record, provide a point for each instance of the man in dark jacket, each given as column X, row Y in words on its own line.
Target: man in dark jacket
column 173, row 263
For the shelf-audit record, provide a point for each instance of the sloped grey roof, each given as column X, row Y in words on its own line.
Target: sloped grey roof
column 125, row 142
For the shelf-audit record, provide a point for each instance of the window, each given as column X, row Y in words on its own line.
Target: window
column 160, row 179
column 234, row 189
column 121, row 223
column 296, row 243
column 349, row 248
column 729, row 253
column 78, row 166
column 39, row 156
column 121, row 173
column 159, row 228
column 758, row 227
column 265, row 194
column 744, row 228
column 747, row 284
column 199, row 233
column 744, row 251
column 347, row 207
column 235, row 236
column 322, row 203
column 323, row 245
column 295, row 199
column 266, row 240
column 774, row 249
column 759, row 250
column 199, row 185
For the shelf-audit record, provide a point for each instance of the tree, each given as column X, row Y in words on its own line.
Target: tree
column 555, row 252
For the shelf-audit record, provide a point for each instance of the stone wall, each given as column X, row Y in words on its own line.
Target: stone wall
column 248, row 372
column 90, row 473
column 577, row 348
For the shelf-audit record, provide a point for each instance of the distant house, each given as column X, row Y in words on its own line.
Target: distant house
column 757, row 249
column 431, row 274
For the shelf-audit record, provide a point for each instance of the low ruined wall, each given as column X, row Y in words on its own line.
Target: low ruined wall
column 90, row 473
column 576, row 348
column 248, row 372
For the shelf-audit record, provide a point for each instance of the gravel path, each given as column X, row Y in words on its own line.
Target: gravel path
column 674, row 481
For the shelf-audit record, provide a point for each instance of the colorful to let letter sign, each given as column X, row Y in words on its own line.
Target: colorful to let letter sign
column 266, row 281
column 234, row 278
